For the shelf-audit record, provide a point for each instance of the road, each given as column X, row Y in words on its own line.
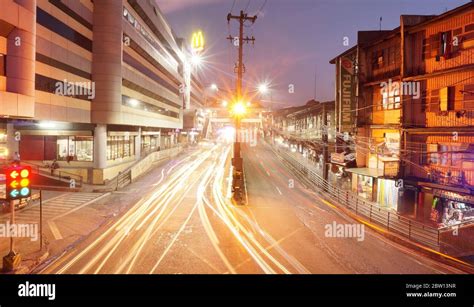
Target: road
column 186, row 224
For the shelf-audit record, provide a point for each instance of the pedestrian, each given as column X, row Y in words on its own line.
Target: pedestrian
column 54, row 166
column 16, row 158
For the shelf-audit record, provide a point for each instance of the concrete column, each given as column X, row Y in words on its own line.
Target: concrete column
column 12, row 144
column 100, row 146
column 21, row 48
column 107, row 62
column 138, row 144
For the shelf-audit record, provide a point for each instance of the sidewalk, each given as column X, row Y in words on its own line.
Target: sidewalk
column 69, row 217
column 336, row 202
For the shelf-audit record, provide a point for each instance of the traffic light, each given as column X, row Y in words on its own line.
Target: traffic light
column 18, row 183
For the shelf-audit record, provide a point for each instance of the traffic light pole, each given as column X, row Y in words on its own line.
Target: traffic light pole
column 12, row 222
column 237, row 161
column 12, row 260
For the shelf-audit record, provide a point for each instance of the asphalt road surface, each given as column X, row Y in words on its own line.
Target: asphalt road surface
column 186, row 224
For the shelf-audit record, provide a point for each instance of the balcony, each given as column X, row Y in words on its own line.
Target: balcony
column 446, row 175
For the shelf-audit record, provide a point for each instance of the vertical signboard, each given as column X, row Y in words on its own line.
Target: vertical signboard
column 347, row 97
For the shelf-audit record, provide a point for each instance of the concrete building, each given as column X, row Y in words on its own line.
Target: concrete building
column 93, row 84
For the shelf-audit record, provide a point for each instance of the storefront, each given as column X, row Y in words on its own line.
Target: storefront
column 364, row 182
column 388, row 193
column 338, row 174
column 372, row 186
column 446, row 208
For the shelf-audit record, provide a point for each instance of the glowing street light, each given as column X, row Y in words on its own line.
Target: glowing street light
column 239, row 109
column 214, row 87
column 263, row 88
column 196, row 59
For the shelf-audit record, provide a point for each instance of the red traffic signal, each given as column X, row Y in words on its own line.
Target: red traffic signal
column 18, row 182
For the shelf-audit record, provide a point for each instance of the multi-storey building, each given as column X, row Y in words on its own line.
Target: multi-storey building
column 305, row 130
column 413, row 130
column 92, row 84
column 438, row 126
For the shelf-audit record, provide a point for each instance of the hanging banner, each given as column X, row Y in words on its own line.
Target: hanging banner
column 347, row 96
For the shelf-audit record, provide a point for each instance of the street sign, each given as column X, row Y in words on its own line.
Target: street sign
column 18, row 183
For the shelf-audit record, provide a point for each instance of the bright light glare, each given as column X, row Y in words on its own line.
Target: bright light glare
column 239, row 109
column 47, row 125
column 196, row 59
column 224, row 103
column 214, row 87
column 133, row 102
column 263, row 88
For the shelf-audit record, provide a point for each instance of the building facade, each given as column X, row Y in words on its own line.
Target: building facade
column 95, row 85
column 309, row 130
column 438, row 126
column 413, row 130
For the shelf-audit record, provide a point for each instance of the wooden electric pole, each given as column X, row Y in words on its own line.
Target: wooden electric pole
column 237, row 162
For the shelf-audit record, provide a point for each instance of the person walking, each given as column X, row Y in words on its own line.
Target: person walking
column 16, row 158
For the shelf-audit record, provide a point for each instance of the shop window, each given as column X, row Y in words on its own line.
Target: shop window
column 119, row 147
column 73, row 148
column 84, row 148
column 365, row 186
column 387, row 193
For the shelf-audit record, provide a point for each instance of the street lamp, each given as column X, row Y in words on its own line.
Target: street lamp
column 196, row 59
column 239, row 109
column 263, row 88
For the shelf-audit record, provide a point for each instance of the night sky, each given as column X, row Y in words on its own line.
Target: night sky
column 294, row 38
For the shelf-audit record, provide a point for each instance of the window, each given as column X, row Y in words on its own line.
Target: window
column 391, row 55
column 446, row 154
column 432, row 153
column 446, row 98
column 75, row 148
column 119, row 147
column 390, row 100
column 3, row 61
column 445, row 44
column 380, row 58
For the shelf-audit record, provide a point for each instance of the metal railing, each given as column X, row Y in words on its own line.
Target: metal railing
column 123, row 179
column 390, row 220
column 58, row 174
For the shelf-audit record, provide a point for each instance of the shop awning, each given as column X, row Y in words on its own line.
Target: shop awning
column 365, row 171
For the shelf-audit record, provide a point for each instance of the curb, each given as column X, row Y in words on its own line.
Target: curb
column 426, row 251
column 55, row 188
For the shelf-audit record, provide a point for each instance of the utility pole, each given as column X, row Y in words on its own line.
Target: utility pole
column 237, row 162
column 325, row 138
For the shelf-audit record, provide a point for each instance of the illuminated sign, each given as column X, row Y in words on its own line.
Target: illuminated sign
column 197, row 42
